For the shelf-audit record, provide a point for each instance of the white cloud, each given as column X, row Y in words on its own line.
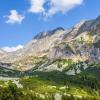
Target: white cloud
column 11, row 49
column 53, row 6
column 62, row 6
column 37, row 6
column 14, row 17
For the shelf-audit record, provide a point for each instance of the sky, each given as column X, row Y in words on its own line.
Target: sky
column 21, row 20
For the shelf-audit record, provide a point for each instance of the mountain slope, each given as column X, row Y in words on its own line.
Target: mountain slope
column 58, row 49
column 56, row 64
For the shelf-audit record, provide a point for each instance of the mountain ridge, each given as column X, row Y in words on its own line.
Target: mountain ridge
column 78, row 44
column 55, row 64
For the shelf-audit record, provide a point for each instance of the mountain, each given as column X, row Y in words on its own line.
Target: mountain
column 49, row 33
column 59, row 48
column 58, row 64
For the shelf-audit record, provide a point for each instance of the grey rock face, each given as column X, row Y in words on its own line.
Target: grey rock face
column 79, row 43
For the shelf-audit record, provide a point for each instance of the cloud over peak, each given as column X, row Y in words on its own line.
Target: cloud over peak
column 52, row 6
column 14, row 17
column 62, row 6
column 46, row 8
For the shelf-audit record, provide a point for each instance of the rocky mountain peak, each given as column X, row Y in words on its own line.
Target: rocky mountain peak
column 48, row 33
column 79, row 24
column 75, row 43
column 89, row 25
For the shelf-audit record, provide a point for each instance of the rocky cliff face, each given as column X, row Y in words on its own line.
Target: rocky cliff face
column 58, row 49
